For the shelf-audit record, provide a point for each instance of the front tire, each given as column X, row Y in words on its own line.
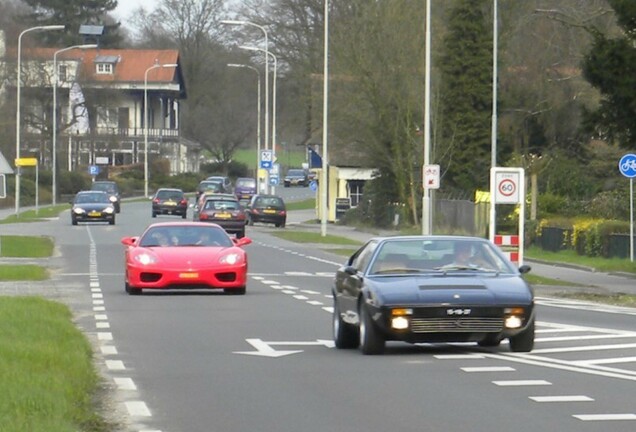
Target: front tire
column 524, row 341
column 131, row 290
column 345, row 336
column 371, row 341
column 235, row 291
column 74, row 221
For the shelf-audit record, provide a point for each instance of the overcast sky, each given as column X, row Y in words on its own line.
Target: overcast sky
column 125, row 7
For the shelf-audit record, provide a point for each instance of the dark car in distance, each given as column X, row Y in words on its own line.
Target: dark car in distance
column 296, row 177
column 92, row 206
column 111, row 188
column 169, row 201
column 224, row 210
column 431, row 289
column 226, row 183
column 209, row 186
column 266, row 209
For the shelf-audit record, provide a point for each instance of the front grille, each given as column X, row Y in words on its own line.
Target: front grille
column 456, row 325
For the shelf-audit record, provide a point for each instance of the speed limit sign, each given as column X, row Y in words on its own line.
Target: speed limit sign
column 507, row 185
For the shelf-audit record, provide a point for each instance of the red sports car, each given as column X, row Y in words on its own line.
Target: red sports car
column 185, row 255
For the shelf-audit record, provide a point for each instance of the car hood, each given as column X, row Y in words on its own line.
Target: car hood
column 450, row 290
column 189, row 257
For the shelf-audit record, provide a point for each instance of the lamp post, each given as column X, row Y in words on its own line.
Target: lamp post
column 325, row 105
column 170, row 65
column 55, row 82
column 258, row 120
column 248, row 23
column 17, row 114
column 272, row 187
column 427, row 224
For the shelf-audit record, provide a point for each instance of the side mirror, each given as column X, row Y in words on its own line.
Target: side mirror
column 129, row 241
column 351, row 271
column 242, row 241
column 525, row 269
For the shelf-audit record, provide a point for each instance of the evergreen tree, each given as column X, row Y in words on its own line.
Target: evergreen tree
column 73, row 14
column 466, row 81
column 609, row 67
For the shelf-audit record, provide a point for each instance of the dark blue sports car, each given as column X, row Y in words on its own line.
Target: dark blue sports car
column 431, row 289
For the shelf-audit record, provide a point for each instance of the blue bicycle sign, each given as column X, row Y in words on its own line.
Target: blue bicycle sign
column 627, row 165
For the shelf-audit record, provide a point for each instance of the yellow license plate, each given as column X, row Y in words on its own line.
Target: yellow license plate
column 189, row 275
column 94, row 213
column 223, row 215
column 269, row 211
column 170, row 203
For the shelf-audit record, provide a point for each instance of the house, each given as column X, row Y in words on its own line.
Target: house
column 101, row 106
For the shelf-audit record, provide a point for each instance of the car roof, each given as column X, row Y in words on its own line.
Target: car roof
column 170, row 190
column 181, row 224
column 92, row 192
column 431, row 237
column 221, row 196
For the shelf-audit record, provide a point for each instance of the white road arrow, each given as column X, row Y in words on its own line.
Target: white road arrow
column 264, row 349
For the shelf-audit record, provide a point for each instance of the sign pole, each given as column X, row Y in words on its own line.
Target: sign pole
column 627, row 167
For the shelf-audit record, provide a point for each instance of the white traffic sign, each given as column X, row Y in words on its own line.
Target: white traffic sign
column 507, row 188
column 267, row 157
column 431, row 176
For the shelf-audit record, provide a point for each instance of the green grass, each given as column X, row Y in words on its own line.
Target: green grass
column 26, row 246
column 312, row 237
column 43, row 213
column 571, row 257
column 46, row 369
column 307, row 204
column 23, row 272
column 540, row 280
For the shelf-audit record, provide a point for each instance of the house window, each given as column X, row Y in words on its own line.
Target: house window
column 356, row 188
column 104, row 68
column 61, row 73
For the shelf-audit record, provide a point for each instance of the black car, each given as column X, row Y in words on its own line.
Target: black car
column 296, row 177
column 92, row 206
column 225, row 182
column 224, row 210
column 111, row 188
column 168, row 201
column 419, row 289
column 266, row 209
column 209, row 186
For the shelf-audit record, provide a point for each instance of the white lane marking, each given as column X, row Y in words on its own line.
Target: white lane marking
column 315, row 303
column 310, row 292
column 604, row 361
column 99, row 309
column 301, row 297
column 108, row 350
column 583, row 348
column 137, row 409
column 103, row 336
column 586, row 337
column 125, row 384
column 574, row 398
column 489, row 369
column 115, row 365
column 291, row 287
column 605, row 417
column 97, row 295
column 96, row 290
column 521, row 383
column 101, row 317
column 98, row 302
column 289, row 292
column 94, row 284
column 270, row 282
column 328, row 309
column 458, row 356
column 298, row 274
column 102, row 325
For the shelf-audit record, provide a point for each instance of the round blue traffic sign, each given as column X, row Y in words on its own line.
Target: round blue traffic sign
column 313, row 185
column 627, row 165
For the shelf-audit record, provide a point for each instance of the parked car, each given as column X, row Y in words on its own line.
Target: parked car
column 266, row 209
column 185, row 255
column 92, row 206
column 167, row 201
column 420, row 289
column 296, row 177
column 245, row 188
column 224, row 210
column 111, row 188
column 226, row 183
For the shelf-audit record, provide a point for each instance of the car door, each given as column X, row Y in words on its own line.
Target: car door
column 349, row 278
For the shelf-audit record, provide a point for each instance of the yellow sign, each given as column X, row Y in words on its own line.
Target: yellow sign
column 22, row 162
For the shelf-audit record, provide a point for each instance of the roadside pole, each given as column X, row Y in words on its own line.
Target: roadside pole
column 627, row 167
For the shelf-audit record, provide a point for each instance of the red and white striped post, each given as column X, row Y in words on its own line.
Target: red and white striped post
column 509, row 245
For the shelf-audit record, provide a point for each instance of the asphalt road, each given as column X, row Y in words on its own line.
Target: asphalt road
column 204, row 361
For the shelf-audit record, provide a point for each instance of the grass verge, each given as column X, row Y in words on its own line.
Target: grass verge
column 32, row 216
column 23, row 272
column 312, row 237
column 571, row 257
column 26, row 246
column 307, row 204
column 46, row 369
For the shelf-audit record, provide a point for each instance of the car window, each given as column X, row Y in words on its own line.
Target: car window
column 92, row 198
column 175, row 195
column 222, row 205
column 361, row 261
column 106, row 187
column 185, row 236
column 246, row 183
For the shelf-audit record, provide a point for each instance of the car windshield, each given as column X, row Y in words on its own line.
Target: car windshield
column 213, row 186
column 269, row 202
column 173, row 195
column 437, row 255
column 296, row 173
column 185, row 235
column 106, row 187
column 246, row 183
column 86, row 198
column 221, row 205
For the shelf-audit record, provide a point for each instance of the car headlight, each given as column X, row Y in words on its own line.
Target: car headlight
column 112, row 198
column 232, row 258
column 109, row 210
column 513, row 317
column 145, row 259
column 79, row 210
column 399, row 318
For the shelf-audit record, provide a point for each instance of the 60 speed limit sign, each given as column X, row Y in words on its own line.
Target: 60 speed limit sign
column 507, row 187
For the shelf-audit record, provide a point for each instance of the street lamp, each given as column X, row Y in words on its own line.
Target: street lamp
column 258, row 121
column 325, row 155
column 55, row 82
column 17, row 114
column 156, row 65
column 248, row 23
column 249, row 48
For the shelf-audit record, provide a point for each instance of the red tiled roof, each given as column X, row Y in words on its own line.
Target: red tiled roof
column 130, row 67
